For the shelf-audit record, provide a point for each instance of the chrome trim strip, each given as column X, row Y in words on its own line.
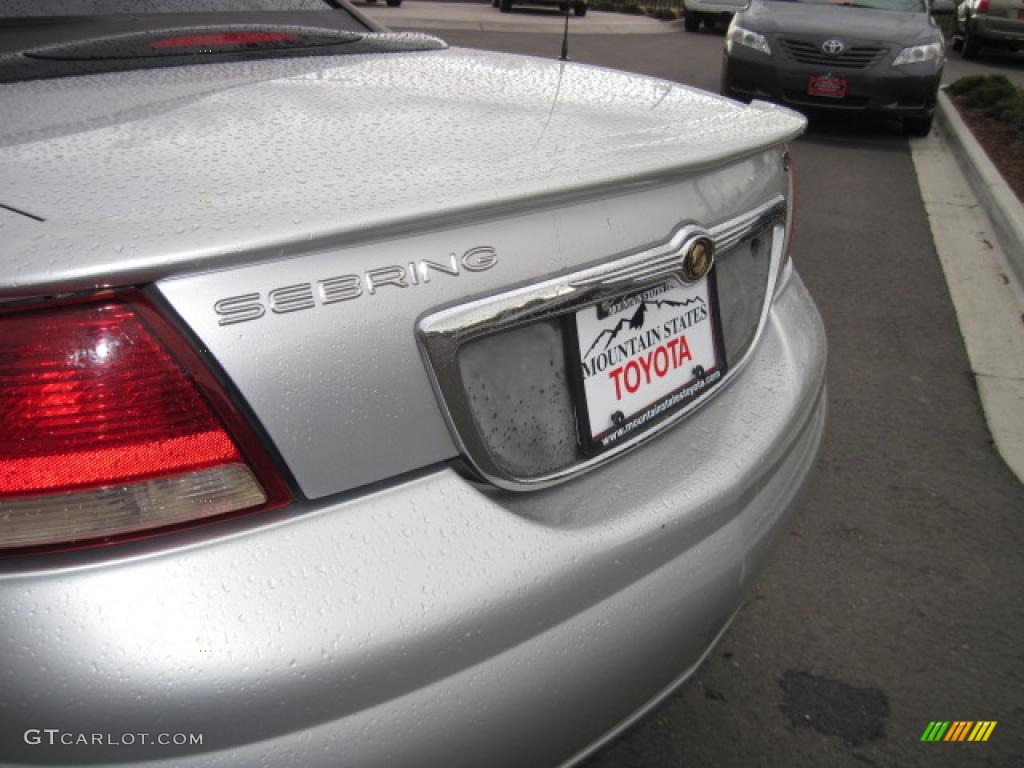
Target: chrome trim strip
column 443, row 332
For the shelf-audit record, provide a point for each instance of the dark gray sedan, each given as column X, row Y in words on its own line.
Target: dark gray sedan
column 881, row 56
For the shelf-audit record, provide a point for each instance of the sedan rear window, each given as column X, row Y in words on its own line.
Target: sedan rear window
column 60, row 38
column 37, row 8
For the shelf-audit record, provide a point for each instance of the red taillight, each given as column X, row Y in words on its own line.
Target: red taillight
column 90, row 398
column 982, row 6
column 104, row 432
column 221, row 39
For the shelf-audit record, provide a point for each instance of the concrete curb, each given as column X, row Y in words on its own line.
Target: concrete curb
column 981, row 277
column 995, row 195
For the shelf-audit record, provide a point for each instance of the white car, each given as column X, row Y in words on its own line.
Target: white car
column 579, row 7
column 710, row 12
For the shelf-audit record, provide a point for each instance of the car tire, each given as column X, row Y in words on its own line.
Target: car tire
column 505, row 5
column 580, row 10
column 691, row 21
column 494, row 3
column 394, row 3
column 972, row 45
column 958, row 36
column 918, row 127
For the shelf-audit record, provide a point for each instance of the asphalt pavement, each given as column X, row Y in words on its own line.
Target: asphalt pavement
column 435, row 17
column 482, row 17
column 1009, row 63
column 896, row 597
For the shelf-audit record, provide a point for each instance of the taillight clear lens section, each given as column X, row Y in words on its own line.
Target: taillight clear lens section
column 126, row 509
column 103, row 432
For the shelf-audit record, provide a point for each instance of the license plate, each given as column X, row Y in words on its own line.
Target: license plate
column 643, row 356
column 827, row 85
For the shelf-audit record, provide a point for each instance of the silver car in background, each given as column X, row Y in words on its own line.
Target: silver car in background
column 579, row 7
column 989, row 23
column 369, row 402
column 709, row 12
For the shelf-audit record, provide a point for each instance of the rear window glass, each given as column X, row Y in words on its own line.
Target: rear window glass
column 42, row 39
column 37, row 8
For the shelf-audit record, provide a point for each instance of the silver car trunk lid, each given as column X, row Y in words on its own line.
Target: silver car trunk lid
column 282, row 207
column 141, row 175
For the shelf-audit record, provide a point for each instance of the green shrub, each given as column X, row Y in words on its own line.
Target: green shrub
column 988, row 91
column 1002, row 107
column 965, row 84
column 1012, row 112
column 996, row 95
column 664, row 14
column 633, row 9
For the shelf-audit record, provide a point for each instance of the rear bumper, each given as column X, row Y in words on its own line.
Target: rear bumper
column 883, row 89
column 712, row 9
column 428, row 622
column 994, row 30
column 551, row 3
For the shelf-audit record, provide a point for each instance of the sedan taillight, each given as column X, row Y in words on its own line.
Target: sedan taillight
column 104, row 432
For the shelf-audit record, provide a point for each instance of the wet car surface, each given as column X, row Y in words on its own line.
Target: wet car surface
column 454, row 406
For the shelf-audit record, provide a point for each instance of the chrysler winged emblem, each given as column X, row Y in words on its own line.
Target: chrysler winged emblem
column 698, row 259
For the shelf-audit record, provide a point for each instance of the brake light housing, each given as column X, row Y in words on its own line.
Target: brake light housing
column 112, row 426
column 209, row 41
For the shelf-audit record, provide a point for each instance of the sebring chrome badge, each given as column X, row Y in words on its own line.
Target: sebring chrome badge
column 339, row 288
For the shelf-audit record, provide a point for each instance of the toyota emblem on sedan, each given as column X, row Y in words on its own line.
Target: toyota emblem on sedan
column 833, row 47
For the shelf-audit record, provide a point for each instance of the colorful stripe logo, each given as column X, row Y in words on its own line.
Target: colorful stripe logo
column 958, row 730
